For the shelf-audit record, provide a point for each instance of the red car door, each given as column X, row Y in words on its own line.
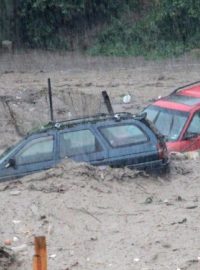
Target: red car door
column 184, row 145
column 191, row 139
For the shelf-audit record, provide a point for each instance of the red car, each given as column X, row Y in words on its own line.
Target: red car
column 177, row 117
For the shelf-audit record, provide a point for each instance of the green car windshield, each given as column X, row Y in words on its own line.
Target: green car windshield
column 169, row 122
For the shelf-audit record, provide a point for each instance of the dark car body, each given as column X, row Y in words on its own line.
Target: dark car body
column 177, row 117
column 114, row 140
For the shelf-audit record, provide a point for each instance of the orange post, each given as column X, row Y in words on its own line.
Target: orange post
column 36, row 262
column 40, row 257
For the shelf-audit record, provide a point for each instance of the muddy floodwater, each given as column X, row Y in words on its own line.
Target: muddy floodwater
column 96, row 218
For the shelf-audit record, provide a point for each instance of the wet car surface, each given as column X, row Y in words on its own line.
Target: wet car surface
column 115, row 140
column 177, row 117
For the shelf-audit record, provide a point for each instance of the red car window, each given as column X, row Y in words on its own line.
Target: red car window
column 194, row 126
column 170, row 123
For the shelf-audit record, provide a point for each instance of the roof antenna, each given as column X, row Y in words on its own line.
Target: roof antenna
column 50, row 100
column 107, row 102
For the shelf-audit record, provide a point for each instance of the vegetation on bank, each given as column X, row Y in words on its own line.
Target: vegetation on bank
column 170, row 27
column 114, row 27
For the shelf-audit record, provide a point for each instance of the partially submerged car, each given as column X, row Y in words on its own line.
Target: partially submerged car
column 116, row 140
column 177, row 117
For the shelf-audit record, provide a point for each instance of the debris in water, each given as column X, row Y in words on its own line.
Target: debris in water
column 7, row 242
column 20, row 248
column 50, row 229
column 179, row 199
column 15, row 192
column 149, row 200
column 127, row 99
column 183, row 221
column 7, row 258
column 52, row 256
column 15, row 239
column 15, row 221
column 191, row 206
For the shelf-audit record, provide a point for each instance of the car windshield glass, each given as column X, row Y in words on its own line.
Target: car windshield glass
column 186, row 100
column 169, row 122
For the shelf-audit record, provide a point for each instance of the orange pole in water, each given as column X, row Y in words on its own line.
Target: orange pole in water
column 40, row 257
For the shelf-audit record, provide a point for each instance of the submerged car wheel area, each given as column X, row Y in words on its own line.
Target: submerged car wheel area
column 177, row 117
column 115, row 140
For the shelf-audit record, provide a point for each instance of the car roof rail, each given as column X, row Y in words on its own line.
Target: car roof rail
column 90, row 118
column 117, row 117
column 182, row 87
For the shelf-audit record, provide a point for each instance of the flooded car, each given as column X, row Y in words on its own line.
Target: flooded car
column 115, row 140
column 177, row 117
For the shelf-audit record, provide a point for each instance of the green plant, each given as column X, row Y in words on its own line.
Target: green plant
column 157, row 28
column 49, row 23
column 170, row 28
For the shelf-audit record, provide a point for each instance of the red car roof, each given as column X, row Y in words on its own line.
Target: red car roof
column 172, row 102
column 192, row 91
column 172, row 105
